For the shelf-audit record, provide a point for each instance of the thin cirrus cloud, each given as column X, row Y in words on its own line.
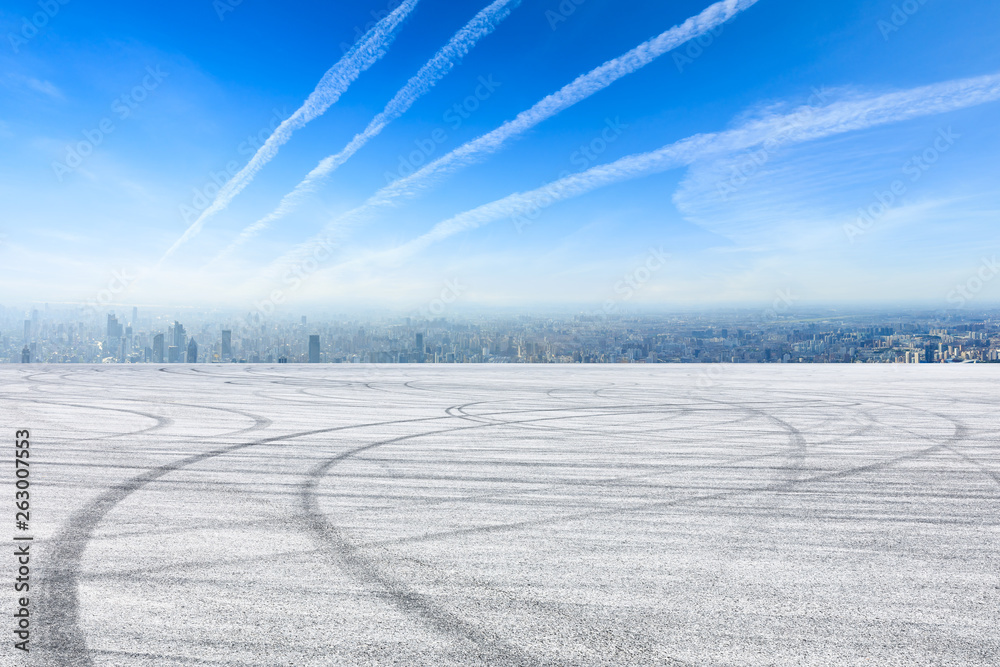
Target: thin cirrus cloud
column 579, row 89
column 773, row 130
column 365, row 53
column 435, row 69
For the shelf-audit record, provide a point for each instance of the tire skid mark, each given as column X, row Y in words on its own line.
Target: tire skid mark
column 620, row 481
column 789, row 485
column 357, row 564
column 142, row 575
column 60, row 636
column 490, row 648
column 161, row 422
column 950, row 446
column 986, row 470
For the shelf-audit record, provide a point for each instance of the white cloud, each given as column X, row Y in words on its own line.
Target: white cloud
column 579, row 89
column 771, row 131
column 481, row 25
column 365, row 53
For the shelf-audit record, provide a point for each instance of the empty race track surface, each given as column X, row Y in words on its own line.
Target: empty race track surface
column 521, row 515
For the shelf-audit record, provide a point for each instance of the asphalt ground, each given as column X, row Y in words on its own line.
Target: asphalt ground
column 507, row 515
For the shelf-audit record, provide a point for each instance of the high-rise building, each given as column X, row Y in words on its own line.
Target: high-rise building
column 192, row 352
column 115, row 341
column 178, row 335
column 27, row 330
column 115, row 328
column 227, row 344
column 173, row 354
column 135, row 315
column 313, row 349
column 25, row 355
column 158, row 349
column 421, row 350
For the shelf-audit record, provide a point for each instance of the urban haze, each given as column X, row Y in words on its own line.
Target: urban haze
column 819, row 336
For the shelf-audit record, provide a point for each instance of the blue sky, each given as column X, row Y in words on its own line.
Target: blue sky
column 115, row 121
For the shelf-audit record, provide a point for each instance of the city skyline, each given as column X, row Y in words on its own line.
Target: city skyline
column 721, row 152
column 780, row 333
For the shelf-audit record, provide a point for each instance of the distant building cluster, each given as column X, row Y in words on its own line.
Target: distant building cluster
column 46, row 336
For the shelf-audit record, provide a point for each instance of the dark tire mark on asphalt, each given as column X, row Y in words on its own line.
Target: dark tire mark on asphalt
column 361, row 567
column 478, row 636
column 787, row 485
column 161, row 422
column 60, row 640
column 488, row 647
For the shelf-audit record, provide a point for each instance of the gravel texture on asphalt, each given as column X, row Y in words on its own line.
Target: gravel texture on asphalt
column 509, row 515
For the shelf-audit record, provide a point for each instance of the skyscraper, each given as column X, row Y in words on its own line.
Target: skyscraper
column 177, row 335
column 158, row 349
column 27, row 330
column 173, row 354
column 26, row 355
column 192, row 352
column 115, row 329
column 314, row 349
column 227, row 344
column 115, row 345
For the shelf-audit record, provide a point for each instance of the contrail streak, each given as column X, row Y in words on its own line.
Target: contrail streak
column 579, row 89
column 365, row 53
column 805, row 124
column 481, row 25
